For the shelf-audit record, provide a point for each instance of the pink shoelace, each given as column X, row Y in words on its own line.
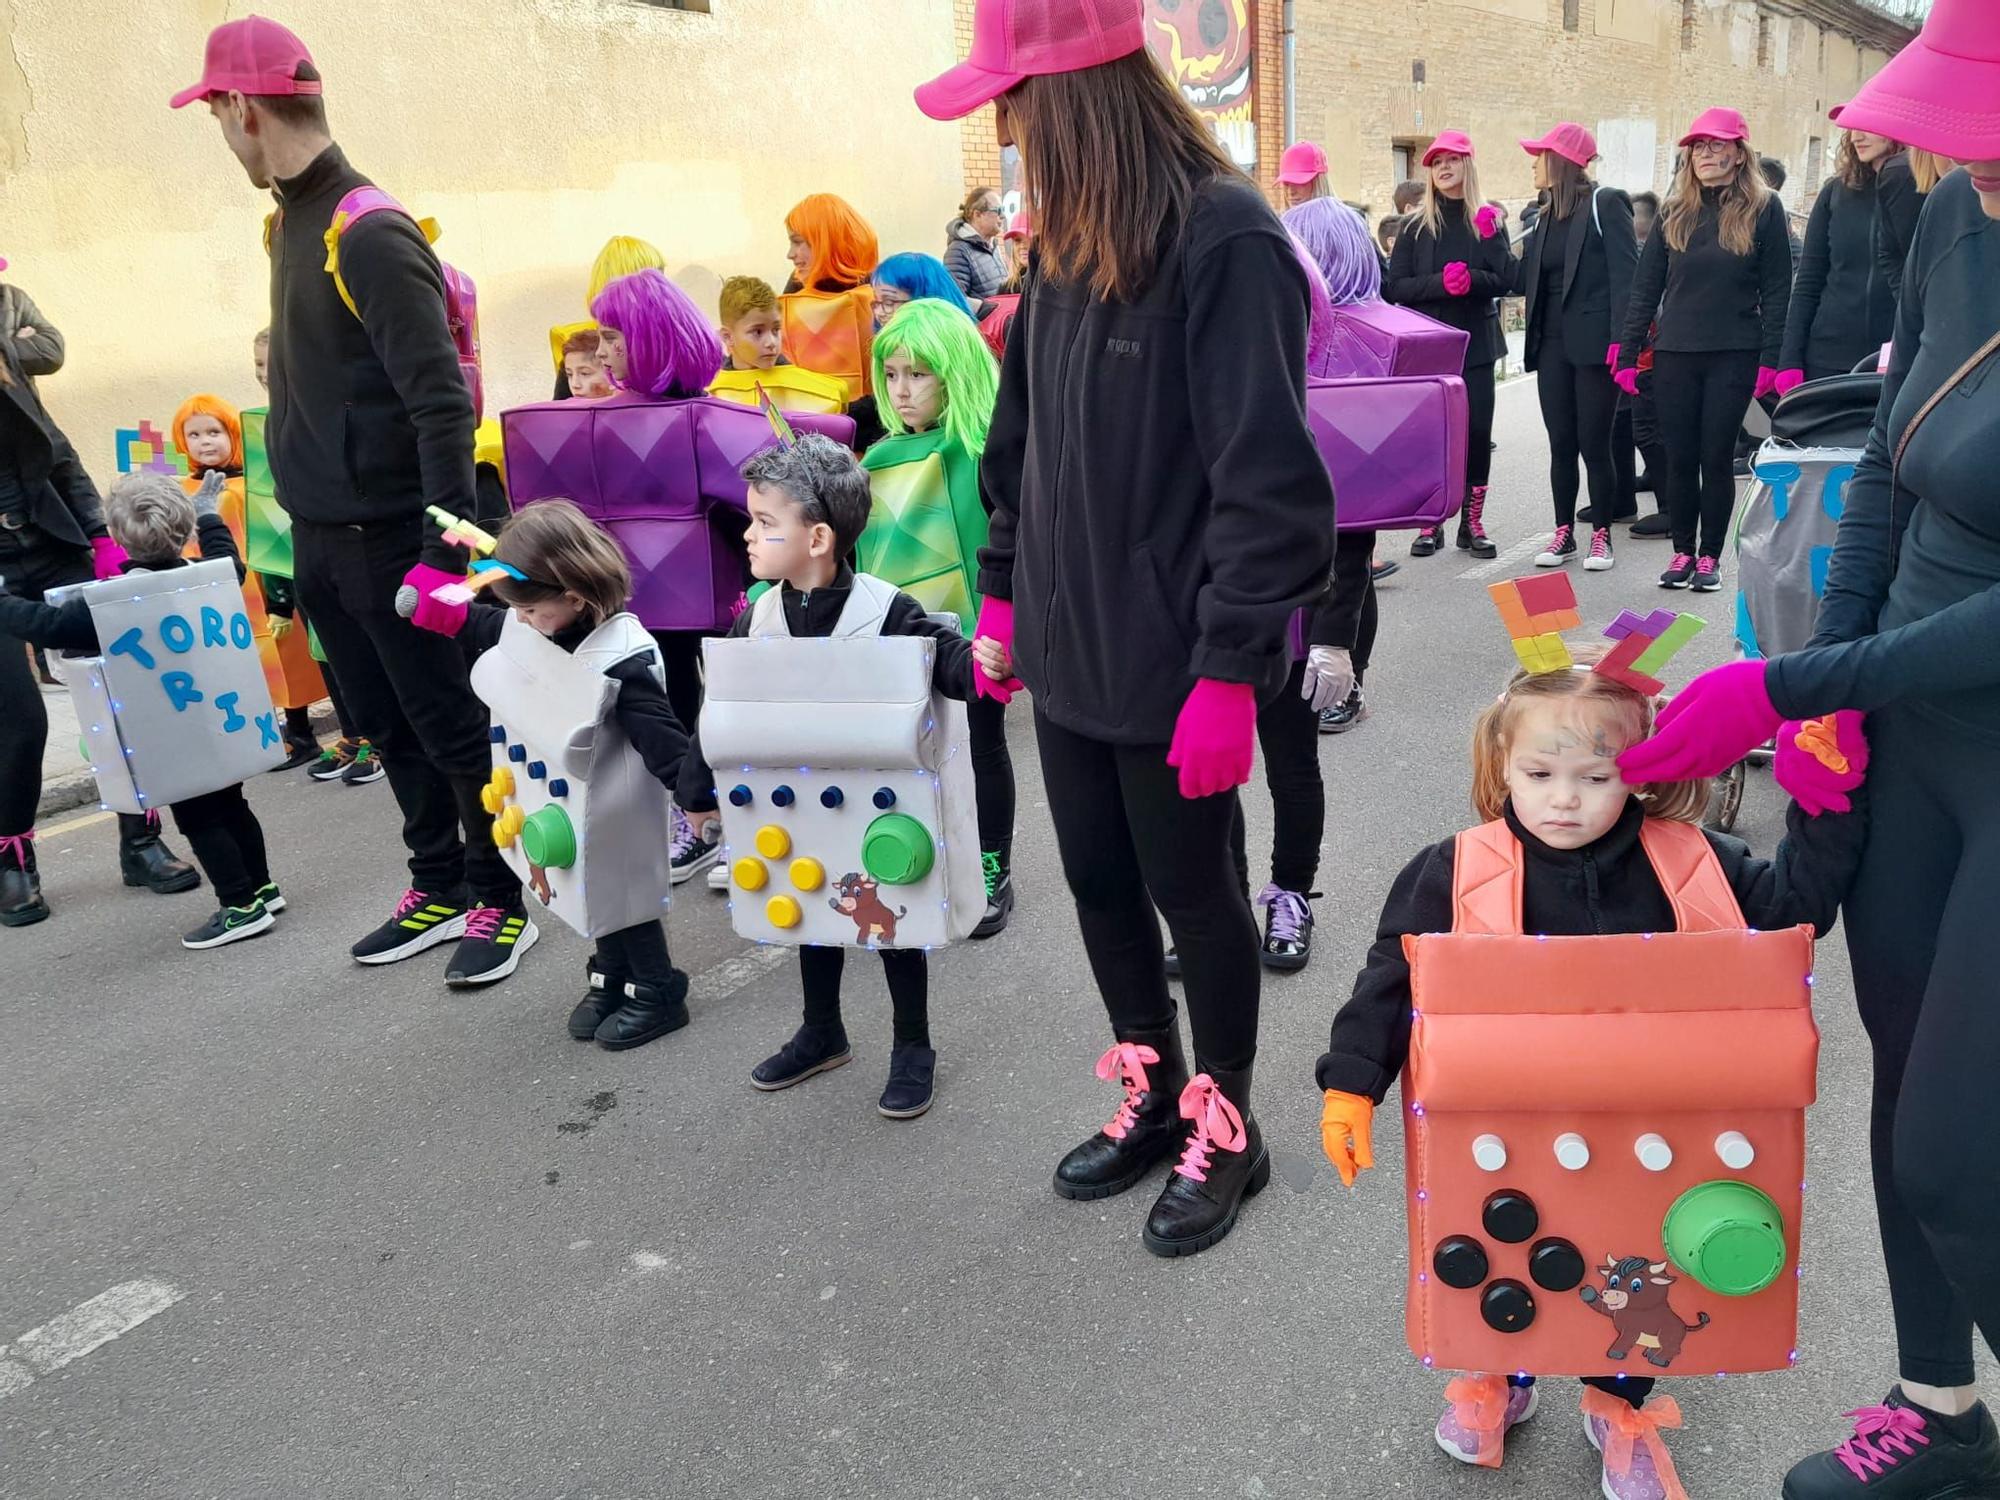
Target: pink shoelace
column 482, row 923
column 20, row 845
column 407, row 903
column 1600, row 542
column 1561, row 538
column 1707, row 567
column 1883, row 1437
column 1216, row 1124
column 1126, row 1062
column 1681, row 560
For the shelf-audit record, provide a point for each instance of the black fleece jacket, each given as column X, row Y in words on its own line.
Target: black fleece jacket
column 1897, row 205
column 370, row 418
column 1605, row 887
column 68, row 626
column 1416, row 278
column 1841, row 307
column 1710, row 298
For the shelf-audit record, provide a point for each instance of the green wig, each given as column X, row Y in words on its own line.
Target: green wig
column 947, row 343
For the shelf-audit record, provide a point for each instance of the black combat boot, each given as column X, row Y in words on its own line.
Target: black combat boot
column 144, row 858
column 1225, row 1162
column 1148, row 1127
column 21, row 902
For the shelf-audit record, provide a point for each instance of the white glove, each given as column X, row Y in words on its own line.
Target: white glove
column 1329, row 677
column 208, row 498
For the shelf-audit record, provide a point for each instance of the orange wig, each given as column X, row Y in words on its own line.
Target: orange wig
column 844, row 249
column 223, row 412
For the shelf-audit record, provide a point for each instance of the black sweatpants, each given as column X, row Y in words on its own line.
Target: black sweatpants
column 1130, row 843
column 411, row 698
column 1578, row 404
column 43, row 563
column 1919, row 927
column 906, row 969
column 992, row 773
column 1701, row 399
column 637, row 953
column 1288, row 734
column 1480, row 394
column 228, row 843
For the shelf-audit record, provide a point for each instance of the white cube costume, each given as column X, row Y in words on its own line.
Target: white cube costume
column 844, row 780
column 576, row 814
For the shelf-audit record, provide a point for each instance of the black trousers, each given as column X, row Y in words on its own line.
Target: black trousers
column 27, row 570
column 228, row 843
column 1632, row 1389
column 1920, row 933
column 1578, row 405
column 636, row 953
column 1480, row 394
column 680, row 655
column 1637, row 427
column 1288, row 734
column 410, row 696
column 992, row 773
column 1701, row 399
column 1130, row 843
column 906, row 969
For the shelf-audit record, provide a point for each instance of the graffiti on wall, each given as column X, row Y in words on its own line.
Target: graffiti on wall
column 1209, row 48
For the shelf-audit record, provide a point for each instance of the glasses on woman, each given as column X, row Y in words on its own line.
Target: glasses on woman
column 1713, row 148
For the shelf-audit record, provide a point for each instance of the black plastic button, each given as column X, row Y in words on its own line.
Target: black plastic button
column 884, row 798
column 1460, row 1261
column 1507, row 1306
column 739, row 796
column 1555, row 1265
column 1510, row 1217
column 832, row 797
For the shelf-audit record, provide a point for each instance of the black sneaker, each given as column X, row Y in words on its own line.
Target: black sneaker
column 1707, row 576
column 1288, row 928
column 495, row 938
column 909, row 1090
column 231, row 924
column 999, row 894
column 689, row 851
column 1679, row 572
column 1344, row 715
column 1428, row 541
column 1561, row 548
column 298, row 752
column 334, row 761
column 1655, row 525
column 812, row 1049
column 421, row 921
column 1388, row 567
column 272, row 897
column 1901, row 1452
column 650, row 1010
column 366, row 767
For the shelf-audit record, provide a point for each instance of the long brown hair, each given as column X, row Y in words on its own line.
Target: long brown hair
column 1569, row 184
column 1431, row 213
column 563, row 552
column 1111, row 157
column 1740, row 203
column 1854, row 173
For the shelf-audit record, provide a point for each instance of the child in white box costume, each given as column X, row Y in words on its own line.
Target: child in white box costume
column 809, row 501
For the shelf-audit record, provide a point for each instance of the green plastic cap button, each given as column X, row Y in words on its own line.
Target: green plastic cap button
column 1727, row 1235
column 897, row 849
column 549, row 839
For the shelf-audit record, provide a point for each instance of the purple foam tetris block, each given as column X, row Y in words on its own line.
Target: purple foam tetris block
column 663, row 477
column 1394, row 446
column 1376, row 339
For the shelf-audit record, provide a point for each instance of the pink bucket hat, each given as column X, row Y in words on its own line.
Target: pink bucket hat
column 1017, row 39
column 1716, row 124
column 250, row 56
column 1451, row 142
column 1301, row 163
column 1942, row 92
column 1570, row 142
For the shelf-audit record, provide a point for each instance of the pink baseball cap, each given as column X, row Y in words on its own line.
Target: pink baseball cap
column 1940, row 93
column 1017, row 39
column 1716, row 124
column 1569, row 141
column 1451, row 142
column 252, row 56
column 1301, row 163
column 1020, row 228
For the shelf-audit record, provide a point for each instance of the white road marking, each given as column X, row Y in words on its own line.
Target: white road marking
column 71, row 1335
column 726, row 978
column 1527, row 547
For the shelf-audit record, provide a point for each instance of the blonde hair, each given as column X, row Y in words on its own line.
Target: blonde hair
column 1741, row 203
column 563, row 552
column 1431, row 214
column 743, row 295
column 1626, row 711
column 150, row 516
column 1927, row 168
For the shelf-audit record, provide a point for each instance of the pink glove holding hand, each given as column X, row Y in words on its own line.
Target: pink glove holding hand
column 106, row 556
column 433, row 614
column 1767, row 383
column 1488, row 220
column 996, row 621
column 1787, row 380
column 1457, row 278
column 1821, row 760
column 1214, row 737
column 1712, row 723
column 1627, row 380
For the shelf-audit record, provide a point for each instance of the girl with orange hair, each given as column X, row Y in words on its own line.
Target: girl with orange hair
column 829, row 302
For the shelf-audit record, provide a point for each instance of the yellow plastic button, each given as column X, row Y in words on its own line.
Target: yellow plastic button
column 808, row 874
column 750, row 873
column 492, row 798
column 501, row 837
column 514, row 819
column 773, row 842
column 783, row 911
column 503, row 780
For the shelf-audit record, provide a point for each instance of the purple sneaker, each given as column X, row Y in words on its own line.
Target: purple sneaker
column 1483, row 1409
column 1636, row 1463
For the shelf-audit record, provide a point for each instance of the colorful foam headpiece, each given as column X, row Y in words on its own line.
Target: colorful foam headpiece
column 1538, row 608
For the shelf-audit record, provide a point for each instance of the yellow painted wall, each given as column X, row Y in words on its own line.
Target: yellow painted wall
column 532, row 130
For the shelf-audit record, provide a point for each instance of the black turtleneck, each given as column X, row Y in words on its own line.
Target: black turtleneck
column 1416, row 277
column 1605, row 887
column 1709, row 298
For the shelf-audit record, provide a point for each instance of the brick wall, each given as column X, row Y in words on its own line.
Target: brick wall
column 980, row 149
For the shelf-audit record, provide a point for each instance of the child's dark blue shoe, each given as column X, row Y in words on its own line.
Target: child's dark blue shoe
column 908, row 1093
column 812, row 1049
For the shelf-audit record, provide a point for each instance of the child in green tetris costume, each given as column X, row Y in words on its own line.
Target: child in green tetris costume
column 935, row 385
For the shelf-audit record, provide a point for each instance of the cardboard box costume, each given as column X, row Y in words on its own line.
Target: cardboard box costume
column 1395, row 446
column 925, row 522
column 792, row 388
column 844, row 781
column 832, row 333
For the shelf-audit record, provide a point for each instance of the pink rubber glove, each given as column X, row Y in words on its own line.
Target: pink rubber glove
column 1786, row 380
column 1712, row 723
column 1611, row 358
column 1487, row 220
column 432, row 614
column 1821, row 760
column 1214, row 737
column 1457, row 278
column 996, row 621
column 1767, row 383
column 1626, row 380
column 106, row 556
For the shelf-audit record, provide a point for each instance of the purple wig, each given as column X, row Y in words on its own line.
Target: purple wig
column 670, row 348
column 1319, row 322
column 1338, row 242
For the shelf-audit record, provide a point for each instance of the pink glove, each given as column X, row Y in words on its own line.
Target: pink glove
column 1822, row 760
column 1786, row 380
column 1487, row 220
column 433, row 614
column 1626, row 380
column 1712, row 723
column 1214, row 736
column 1767, row 383
column 1611, row 358
column 106, row 556
column 996, row 621
column 1457, row 278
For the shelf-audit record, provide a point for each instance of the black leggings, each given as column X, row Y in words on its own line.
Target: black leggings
column 1631, row 1389
column 24, row 720
column 1479, row 398
column 907, row 971
column 1920, row 934
column 636, row 953
column 1288, row 734
column 1578, row 404
column 227, row 841
column 680, row 654
column 1701, row 399
column 1637, row 427
column 992, row 773
column 1131, row 842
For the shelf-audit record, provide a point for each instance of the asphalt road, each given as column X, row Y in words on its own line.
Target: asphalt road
column 398, row 1241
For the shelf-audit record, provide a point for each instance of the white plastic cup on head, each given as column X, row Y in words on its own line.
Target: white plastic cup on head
column 1654, row 1154
column 1572, row 1151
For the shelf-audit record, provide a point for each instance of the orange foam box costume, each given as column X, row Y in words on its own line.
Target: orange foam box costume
column 1605, row 1136
column 832, row 333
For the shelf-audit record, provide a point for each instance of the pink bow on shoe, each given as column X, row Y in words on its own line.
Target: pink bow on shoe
column 1628, row 1425
column 1126, row 1062
column 1479, row 1403
column 1820, row 761
column 1217, row 1123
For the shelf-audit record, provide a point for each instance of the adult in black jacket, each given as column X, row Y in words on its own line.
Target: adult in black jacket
column 1576, row 272
column 370, row 422
column 1718, row 272
column 1842, row 311
column 1159, row 511
column 1450, row 263
column 1899, row 198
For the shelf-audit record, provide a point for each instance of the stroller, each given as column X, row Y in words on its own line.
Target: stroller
column 1786, row 528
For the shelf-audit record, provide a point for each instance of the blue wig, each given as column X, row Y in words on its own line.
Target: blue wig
column 921, row 276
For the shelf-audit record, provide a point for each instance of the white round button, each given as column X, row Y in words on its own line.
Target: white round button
column 1490, row 1152
column 1654, row 1154
column 1572, row 1151
column 1734, row 1147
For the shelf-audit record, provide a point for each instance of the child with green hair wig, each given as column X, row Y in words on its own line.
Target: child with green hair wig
column 935, row 386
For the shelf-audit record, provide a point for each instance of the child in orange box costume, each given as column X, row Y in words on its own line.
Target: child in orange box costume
column 829, row 302
column 1601, row 1014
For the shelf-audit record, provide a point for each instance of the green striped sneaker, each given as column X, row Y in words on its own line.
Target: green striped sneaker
column 421, row 921
column 495, row 938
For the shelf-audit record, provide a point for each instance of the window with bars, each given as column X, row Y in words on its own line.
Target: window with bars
column 1570, row 16
column 1766, row 39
